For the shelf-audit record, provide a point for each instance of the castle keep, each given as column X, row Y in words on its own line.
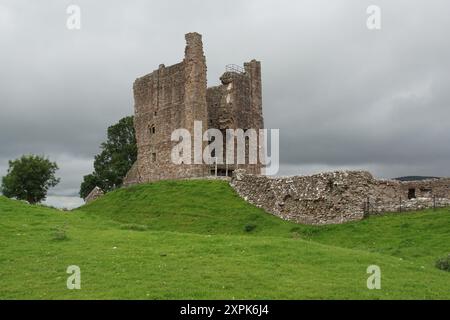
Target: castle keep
column 174, row 97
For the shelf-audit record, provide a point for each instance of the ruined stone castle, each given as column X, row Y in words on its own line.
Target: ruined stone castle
column 174, row 97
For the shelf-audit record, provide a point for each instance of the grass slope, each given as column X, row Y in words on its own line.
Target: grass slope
column 190, row 206
column 186, row 239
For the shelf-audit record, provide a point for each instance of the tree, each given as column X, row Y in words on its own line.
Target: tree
column 29, row 178
column 118, row 154
column 89, row 183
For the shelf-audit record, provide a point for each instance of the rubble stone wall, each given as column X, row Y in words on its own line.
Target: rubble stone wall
column 94, row 195
column 334, row 197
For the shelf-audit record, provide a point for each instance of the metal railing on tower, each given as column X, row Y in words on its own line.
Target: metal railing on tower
column 234, row 68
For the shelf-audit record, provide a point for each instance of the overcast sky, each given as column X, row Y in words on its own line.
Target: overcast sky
column 343, row 96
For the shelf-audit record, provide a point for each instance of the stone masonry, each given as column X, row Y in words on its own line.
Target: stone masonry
column 174, row 97
column 337, row 197
column 94, row 195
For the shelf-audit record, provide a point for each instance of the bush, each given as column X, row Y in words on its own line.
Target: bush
column 134, row 227
column 443, row 263
column 249, row 227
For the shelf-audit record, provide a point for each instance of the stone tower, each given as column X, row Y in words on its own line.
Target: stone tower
column 174, row 97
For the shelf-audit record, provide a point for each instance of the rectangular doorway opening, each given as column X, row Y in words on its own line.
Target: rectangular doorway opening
column 222, row 172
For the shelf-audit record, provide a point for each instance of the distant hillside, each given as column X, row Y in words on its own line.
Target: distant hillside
column 415, row 178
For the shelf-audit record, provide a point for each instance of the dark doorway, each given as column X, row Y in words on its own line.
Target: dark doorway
column 411, row 193
column 222, row 172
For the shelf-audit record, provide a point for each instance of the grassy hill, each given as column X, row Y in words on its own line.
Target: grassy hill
column 198, row 240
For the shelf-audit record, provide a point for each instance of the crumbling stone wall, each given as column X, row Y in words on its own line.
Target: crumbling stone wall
column 174, row 97
column 167, row 99
column 427, row 188
column 94, row 195
column 237, row 104
column 333, row 197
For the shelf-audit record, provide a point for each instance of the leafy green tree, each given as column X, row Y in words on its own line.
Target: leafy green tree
column 90, row 181
column 118, row 154
column 29, row 178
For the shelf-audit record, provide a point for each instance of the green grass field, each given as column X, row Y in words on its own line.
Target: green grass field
column 198, row 240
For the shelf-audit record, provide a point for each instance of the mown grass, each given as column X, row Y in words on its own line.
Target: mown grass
column 189, row 240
